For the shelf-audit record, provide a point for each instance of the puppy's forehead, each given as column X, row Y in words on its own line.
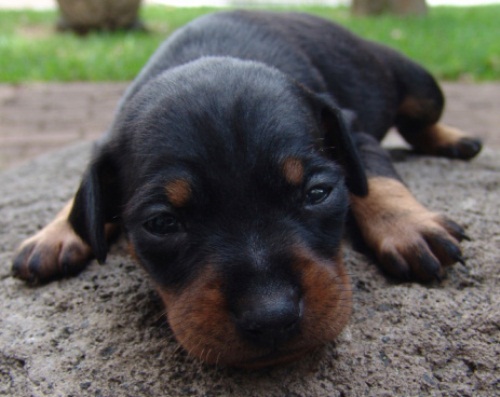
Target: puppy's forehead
column 212, row 100
column 222, row 120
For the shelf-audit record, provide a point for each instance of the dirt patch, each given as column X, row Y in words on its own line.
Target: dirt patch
column 103, row 333
column 38, row 118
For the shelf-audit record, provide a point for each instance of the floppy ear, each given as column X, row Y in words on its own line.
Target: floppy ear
column 337, row 140
column 96, row 203
column 340, row 145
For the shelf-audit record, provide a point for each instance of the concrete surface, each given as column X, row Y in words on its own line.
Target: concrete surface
column 103, row 332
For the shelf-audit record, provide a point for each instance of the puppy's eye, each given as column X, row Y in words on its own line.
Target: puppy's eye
column 162, row 224
column 317, row 194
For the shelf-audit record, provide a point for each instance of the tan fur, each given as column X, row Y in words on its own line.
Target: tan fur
column 132, row 251
column 436, row 137
column 293, row 170
column 201, row 323
column 56, row 245
column 178, row 192
column 393, row 223
column 327, row 295
column 53, row 242
column 418, row 108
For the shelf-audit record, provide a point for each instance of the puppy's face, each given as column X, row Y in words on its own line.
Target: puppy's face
column 230, row 204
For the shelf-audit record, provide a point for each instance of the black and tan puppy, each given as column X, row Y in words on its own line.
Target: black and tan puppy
column 230, row 167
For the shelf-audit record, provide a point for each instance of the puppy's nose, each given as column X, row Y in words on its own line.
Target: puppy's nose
column 270, row 320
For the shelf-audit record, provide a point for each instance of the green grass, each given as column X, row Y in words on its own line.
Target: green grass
column 453, row 43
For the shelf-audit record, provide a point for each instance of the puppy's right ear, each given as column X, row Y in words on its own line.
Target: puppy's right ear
column 96, row 203
column 336, row 138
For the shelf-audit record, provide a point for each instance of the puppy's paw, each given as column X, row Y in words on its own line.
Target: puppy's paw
column 54, row 252
column 419, row 246
column 410, row 242
column 464, row 148
column 445, row 141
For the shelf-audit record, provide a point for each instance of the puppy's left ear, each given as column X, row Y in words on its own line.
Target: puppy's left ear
column 338, row 142
column 96, row 203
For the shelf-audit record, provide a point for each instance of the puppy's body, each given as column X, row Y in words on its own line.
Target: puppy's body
column 229, row 167
column 321, row 56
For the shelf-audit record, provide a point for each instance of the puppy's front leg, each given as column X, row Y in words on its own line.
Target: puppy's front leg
column 410, row 241
column 54, row 252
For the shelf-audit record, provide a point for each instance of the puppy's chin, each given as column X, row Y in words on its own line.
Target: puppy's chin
column 203, row 325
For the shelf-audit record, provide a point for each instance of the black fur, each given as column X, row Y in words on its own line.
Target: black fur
column 221, row 103
column 229, row 167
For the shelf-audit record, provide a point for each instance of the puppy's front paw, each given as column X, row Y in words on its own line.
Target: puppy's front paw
column 410, row 241
column 419, row 246
column 54, row 252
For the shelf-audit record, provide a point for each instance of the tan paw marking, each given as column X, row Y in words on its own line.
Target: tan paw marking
column 446, row 141
column 409, row 241
column 55, row 251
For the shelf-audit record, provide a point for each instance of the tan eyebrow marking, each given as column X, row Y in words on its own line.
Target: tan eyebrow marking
column 293, row 170
column 178, row 192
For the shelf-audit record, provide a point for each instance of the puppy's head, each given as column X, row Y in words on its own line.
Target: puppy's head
column 229, row 180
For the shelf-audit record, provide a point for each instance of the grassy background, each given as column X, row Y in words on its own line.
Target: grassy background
column 454, row 43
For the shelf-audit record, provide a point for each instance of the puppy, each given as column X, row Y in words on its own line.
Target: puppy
column 230, row 167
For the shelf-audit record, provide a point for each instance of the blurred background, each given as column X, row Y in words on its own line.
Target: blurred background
column 40, row 4
column 65, row 63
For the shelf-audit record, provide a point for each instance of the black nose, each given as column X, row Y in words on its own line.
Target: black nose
column 269, row 320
